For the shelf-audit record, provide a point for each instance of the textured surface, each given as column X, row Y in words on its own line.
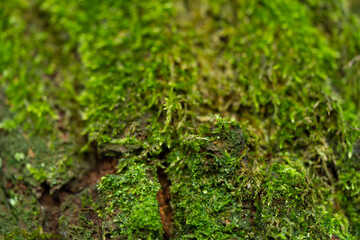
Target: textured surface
column 179, row 119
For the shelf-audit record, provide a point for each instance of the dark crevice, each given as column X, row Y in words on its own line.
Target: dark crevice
column 52, row 200
column 51, row 205
column 164, row 198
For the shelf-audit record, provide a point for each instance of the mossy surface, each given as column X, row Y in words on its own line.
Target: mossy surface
column 128, row 204
column 222, row 190
column 250, row 107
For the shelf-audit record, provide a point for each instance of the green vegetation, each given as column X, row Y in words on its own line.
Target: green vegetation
column 128, row 202
column 250, row 107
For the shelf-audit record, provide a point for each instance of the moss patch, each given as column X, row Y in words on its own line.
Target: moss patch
column 141, row 84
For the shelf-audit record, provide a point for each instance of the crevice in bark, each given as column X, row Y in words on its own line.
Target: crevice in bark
column 51, row 202
column 164, row 198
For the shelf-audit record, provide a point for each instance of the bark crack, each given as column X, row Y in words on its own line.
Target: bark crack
column 164, row 198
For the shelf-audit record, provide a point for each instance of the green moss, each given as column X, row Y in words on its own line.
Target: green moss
column 20, row 234
column 83, row 225
column 34, row 66
column 21, row 215
column 128, row 204
column 79, row 218
column 144, row 80
column 222, row 190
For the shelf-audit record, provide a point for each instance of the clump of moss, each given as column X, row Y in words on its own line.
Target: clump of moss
column 221, row 189
column 128, row 204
